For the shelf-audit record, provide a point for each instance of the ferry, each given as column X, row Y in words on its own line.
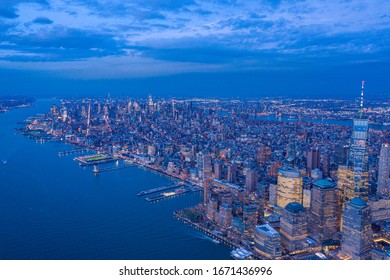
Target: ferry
column 216, row 241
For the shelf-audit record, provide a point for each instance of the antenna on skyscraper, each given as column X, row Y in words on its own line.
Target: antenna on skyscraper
column 361, row 100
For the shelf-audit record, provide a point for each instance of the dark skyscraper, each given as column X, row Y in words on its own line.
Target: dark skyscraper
column 341, row 154
column 207, row 167
column 232, row 173
column 313, row 159
column 218, row 170
column 384, row 171
column 356, row 240
column 325, row 165
column 293, row 227
column 323, row 221
column 251, row 180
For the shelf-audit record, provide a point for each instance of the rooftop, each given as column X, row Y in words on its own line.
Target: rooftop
column 289, row 171
column 295, row 207
column 358, row 202
column 324, row 184
column 267, row 230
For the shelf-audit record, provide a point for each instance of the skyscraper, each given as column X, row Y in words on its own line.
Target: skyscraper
column 357, row 182
column 356, row 240
column 289, row 186
column 384, row 171
column 358, row 160
column 218, row 170
column 200, row 165
column 313, row 159
column 232, row 173
column 325, row 164
column 293, row 227
column 323, row 220
column 251, row 181
column 207, row 167
column 341, row 154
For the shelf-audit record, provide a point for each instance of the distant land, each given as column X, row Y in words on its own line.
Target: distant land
column 11, row 102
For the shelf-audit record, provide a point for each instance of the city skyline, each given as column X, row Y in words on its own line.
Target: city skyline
column 274, row 184
column 194, row 48
column 191, row 129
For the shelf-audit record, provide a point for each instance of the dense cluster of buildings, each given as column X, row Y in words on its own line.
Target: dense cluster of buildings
column 282, row 179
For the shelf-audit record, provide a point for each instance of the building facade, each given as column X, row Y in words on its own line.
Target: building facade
column 268, row 242
column 323, row 215
column 289, row 186
column 384, row 171
column 293, row 227
column 356, row 232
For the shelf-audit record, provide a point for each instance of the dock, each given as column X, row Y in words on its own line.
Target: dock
column 160, row 189
column 95, row 159
column 181, row 190
column 98, row 170
column 74, row 151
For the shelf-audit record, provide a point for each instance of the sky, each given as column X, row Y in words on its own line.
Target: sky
column 298, row 48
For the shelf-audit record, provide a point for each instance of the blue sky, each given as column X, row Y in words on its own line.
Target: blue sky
column 191, row 47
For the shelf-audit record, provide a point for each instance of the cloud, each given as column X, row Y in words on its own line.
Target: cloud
column 111, row 67
column 233, row 35
column 8, row 12
column 42, row 20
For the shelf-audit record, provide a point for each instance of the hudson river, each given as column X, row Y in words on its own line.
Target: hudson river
column 51, row 208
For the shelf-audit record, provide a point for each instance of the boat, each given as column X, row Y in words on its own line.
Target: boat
column 240, row 254
column 386, row 124
column 216, row 241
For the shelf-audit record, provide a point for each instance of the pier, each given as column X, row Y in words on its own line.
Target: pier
column 181, row 190
column 98, row 170
column 160, row 189
column 74, row 151
column 95, row 159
